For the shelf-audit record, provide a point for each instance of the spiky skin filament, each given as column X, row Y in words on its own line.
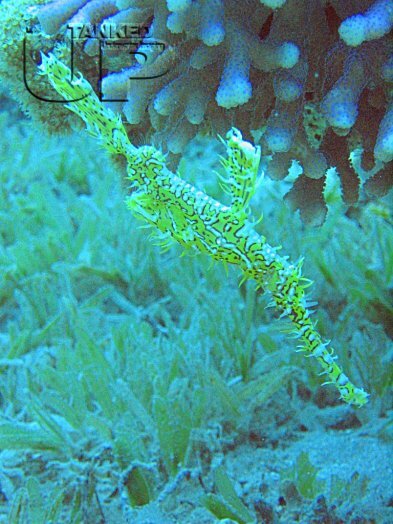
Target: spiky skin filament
column 201, row 223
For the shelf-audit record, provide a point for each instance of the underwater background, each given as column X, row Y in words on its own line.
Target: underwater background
column 138, row 385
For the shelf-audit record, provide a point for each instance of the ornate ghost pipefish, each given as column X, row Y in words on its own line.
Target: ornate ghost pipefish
column 197, row 221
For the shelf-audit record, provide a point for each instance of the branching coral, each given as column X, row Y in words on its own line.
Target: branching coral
column 200, row 223
column 310, row 79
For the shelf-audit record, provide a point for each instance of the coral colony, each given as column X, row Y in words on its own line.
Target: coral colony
column 309, row 80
